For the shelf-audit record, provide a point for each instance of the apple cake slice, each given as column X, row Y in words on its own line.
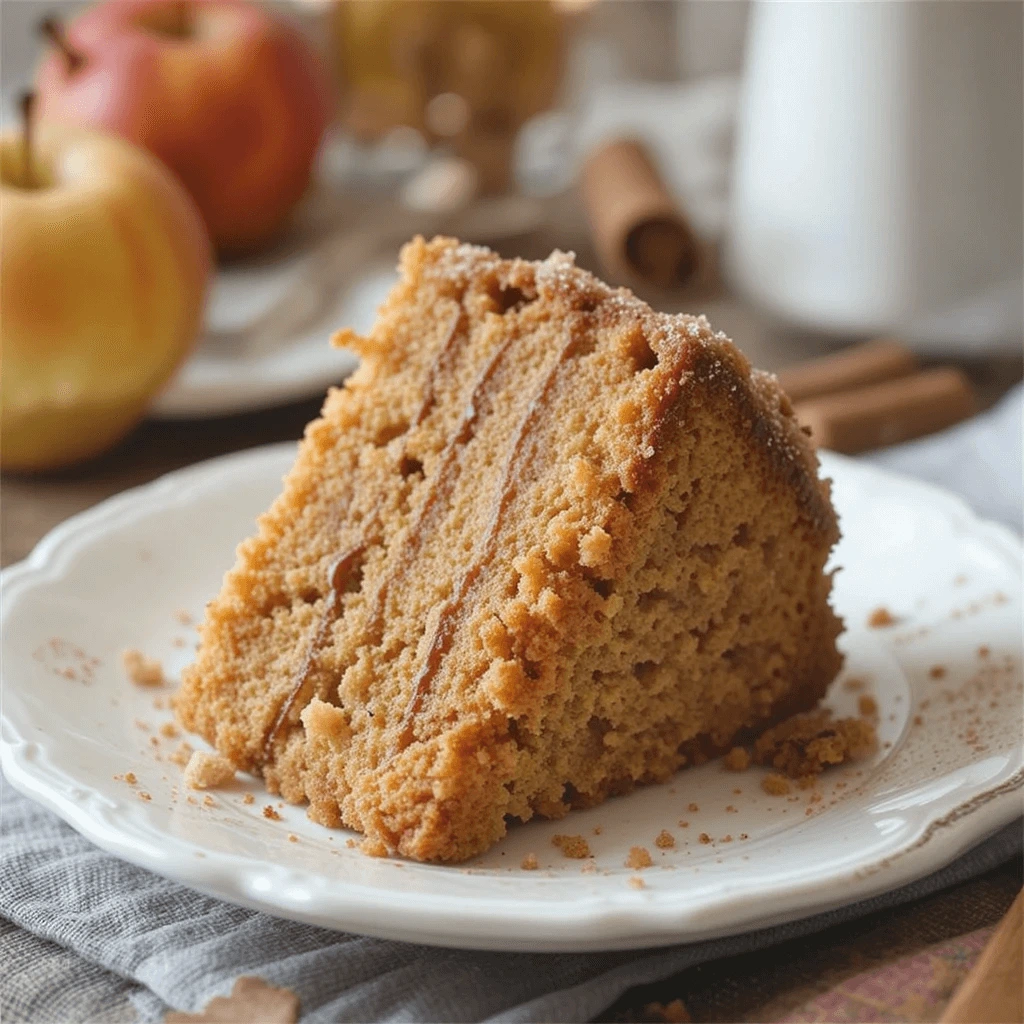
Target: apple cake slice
column 544, row 545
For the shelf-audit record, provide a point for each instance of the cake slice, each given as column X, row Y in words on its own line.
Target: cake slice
column 544, row 545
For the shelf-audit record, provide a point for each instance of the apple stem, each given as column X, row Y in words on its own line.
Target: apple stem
column 28, row 102
column 53, row 30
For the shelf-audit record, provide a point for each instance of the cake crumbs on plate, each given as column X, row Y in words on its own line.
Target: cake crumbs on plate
column 682, row 823
column 158, row 703
column 208, row 771
column 143, row 795
column 130, row 778
column 665, row 840
column 854, row 685
column 351, row 844
column 775, row 784
column 271, row 815
column 881, row 617
column 737, row 760
column 727, row 838
column 208, row 801
column 807, row 743
column 639, row 858
column 636, row 882
column 984, row 651
column 937, row 672
column 574, row 847
column 141, row 724
column 170, row 730
column 248, row 799
column 692, row 808
column 142, row 671
column 182, row 753
column 183, row 617
column 867, row 705
column 178, row 641
column 731, row 809
column 704, row 838
column 292, row 837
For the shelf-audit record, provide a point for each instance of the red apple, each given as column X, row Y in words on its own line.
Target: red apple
column 230, row 97
column 103, row 272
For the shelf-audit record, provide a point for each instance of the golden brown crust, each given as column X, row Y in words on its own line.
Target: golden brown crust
column 544, row 545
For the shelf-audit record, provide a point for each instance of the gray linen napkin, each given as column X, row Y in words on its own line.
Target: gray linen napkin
column 86, row 937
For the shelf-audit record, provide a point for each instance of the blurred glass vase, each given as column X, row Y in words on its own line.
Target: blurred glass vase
column 879, row 168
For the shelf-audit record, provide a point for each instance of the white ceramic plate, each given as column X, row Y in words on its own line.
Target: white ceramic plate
column 947, row 680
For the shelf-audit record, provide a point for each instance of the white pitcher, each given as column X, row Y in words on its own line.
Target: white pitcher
column 878, row 179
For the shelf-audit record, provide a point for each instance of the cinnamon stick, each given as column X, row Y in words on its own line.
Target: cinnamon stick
column 869, row 363
column 993, row 992
column 877, row 415
column 638, row 229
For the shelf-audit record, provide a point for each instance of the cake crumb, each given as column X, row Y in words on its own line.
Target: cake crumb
column 983, row 651
column 141, row 724
column 208, row 771
column 665, row 840
column 775, row 784
column 737, row 760
column 730, row 809
column 807, row 743
column 182, row 753
column 682, row 823
column 182, row 617
column 726, row 839
column 130, row 778
column 178, row 641
column 597, row 830
column 271, row 815
column 143, row 795
column 251, row 999
column 666, row 1013
column 867, row 705
column 881, row 617
column 704, row 838
column 292, row 837
column 529, row 862
column 636, row 882
column 208, row 801
column 574, row 847
column 918, row 720
column 854, row 685
column 639, row 858
column 248, row 799
column 937, row 671
column 351, row 844
column 142, row 671
column 692, row 808
column 170, row 730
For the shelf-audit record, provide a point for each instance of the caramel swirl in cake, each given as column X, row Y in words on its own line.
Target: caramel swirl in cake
column 338, row 576
column 444, row 628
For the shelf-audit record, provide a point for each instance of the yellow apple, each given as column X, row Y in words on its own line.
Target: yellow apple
column 103, row 273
